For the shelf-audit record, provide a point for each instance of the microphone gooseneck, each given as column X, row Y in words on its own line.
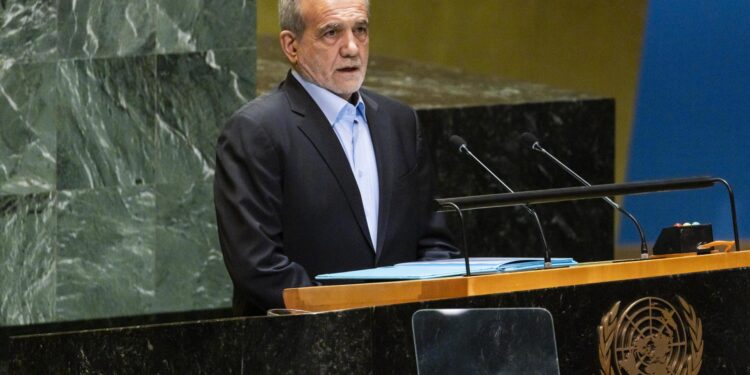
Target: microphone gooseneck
column 532, row 142
column 461, row 144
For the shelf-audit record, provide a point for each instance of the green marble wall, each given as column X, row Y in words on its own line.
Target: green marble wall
column 109, row 110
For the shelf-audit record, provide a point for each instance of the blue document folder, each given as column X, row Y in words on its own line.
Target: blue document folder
column 445, row 268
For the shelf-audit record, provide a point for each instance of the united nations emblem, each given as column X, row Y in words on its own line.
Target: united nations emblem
column 651, row 337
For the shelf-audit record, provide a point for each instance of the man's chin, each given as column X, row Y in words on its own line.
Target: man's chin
column 346, row 90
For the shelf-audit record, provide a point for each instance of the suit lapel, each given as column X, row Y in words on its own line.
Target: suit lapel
column 380, row 139
column 313, row 123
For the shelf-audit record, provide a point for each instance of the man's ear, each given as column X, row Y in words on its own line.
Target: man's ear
column 289, row 45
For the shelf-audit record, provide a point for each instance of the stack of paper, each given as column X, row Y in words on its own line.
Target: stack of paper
column 445, row 268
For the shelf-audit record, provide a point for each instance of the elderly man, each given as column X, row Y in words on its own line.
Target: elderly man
column 321, row 175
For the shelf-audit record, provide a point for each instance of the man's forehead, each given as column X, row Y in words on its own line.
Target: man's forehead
column 321, row 11
column 333, row 3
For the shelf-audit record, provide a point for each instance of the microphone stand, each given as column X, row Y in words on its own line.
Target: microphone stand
column 463, row 149
column 644, row 245
column 455, row 207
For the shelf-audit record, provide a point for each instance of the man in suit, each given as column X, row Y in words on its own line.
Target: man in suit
column 320, row 175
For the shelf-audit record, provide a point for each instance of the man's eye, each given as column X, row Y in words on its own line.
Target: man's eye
column 329, row 33
column 361, row 30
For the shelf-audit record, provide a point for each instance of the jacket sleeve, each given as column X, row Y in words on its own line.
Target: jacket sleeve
column 435, row 241
column 248, row 196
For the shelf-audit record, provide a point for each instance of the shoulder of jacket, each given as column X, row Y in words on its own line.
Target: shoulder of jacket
column 265, row 105
column 382, row 100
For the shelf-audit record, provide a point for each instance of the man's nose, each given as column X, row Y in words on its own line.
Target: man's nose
column 350, row 45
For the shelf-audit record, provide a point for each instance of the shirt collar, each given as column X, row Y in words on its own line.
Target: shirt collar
column 328, row 102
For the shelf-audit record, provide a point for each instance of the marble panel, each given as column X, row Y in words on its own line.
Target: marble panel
column 329, row 343
column 190, row 271
column 106, row 125
column 27, row 259
column 335, row 343
column 102, row 28
column 27, row 128
column 105, row 261
column 105, row 323
column 161, row 349
column 200, row 25
column 197, row 94
column 579, row 132
column 29, row 30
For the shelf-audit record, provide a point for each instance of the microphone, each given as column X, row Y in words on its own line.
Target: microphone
column 529, row 140
column 462, row 148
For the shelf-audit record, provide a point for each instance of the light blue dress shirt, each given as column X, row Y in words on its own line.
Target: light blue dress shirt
column 350, row 125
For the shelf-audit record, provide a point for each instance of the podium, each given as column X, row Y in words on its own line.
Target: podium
column 673, row 315
column 341, row 297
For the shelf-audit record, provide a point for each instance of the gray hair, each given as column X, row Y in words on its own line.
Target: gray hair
column 291, row 19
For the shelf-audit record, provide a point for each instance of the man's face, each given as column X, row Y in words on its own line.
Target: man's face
column 332, row 52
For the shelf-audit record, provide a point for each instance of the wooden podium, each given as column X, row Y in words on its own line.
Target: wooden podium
column 683, row 314
column 342, row 297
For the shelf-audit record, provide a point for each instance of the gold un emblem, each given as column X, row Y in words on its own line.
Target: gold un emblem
column 651, row 337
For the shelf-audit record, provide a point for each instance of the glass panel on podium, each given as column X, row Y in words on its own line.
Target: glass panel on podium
column 485, row 341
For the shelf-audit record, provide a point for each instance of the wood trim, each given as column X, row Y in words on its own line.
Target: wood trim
column 340, row 297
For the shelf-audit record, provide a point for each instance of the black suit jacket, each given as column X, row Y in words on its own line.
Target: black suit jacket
column 288, row 206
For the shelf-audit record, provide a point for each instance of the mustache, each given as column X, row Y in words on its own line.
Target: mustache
column 353, row 64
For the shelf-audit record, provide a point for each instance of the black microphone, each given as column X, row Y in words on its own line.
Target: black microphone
column 531, row 141
column 461, row 144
